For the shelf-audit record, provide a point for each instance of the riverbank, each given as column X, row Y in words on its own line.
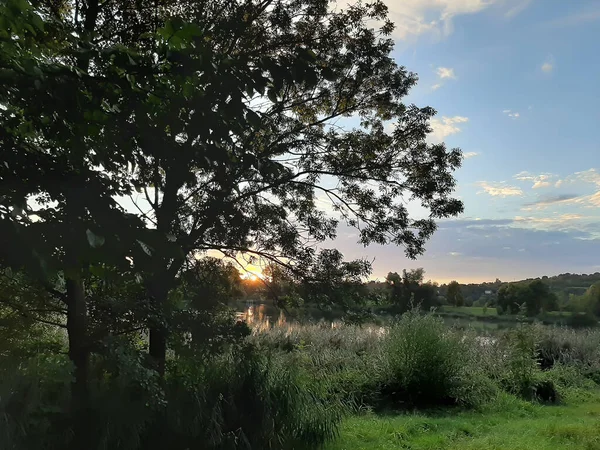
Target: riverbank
column 507, row 424
column 483, row 318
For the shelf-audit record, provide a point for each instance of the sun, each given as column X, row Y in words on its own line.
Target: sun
column 252, row 273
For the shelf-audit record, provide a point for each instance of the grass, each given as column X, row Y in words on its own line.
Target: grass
column 470, row 310
column 507, row 424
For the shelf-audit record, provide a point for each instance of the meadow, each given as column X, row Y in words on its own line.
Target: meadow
column 420, row 384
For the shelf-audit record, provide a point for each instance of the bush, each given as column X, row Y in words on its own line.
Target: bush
column 238, row 399
column 574, row 348
column 241, row 399
column 586, row 320
column 429, row 364
column 33, row 398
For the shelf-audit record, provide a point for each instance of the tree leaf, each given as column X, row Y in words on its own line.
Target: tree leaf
column 272, row 95
column 147, row 249
column 94, row 240
column 253, row 119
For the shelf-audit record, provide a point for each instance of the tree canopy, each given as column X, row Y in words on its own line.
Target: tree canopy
column 245, row 126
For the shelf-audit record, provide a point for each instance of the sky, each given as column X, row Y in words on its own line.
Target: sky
column 516, row 85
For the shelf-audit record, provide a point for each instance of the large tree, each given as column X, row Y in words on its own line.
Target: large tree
column 454, row 294
column 235, row 120
column 410, row 290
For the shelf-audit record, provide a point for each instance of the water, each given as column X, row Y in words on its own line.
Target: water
column 266, row 315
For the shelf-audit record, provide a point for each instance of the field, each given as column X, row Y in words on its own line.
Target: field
column 528, row 387
column 470, row 310
column 508, row 424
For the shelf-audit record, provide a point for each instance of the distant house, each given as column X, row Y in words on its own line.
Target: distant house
column 488, row 292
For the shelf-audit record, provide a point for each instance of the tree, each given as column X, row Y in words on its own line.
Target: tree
column 532, row 296
column 410, row 290
column 332, row 281
column 226, row 116
column 454, row 294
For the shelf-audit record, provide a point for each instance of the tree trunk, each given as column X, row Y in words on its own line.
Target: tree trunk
column 158, row 289
column 78, row 349
column 157, row 350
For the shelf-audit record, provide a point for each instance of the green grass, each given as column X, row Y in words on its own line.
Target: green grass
column 470, row 310
column 509, row 424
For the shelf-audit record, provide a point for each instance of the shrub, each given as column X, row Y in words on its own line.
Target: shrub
column 429, row 364
column 237, row 399
column 574, row 348
column 33, row 399
column 586, row 320
column 241, row 399
column 521, row 361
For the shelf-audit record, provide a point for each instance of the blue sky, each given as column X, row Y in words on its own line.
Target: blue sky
column 516, row 85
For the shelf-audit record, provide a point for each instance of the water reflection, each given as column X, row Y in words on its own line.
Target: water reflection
column 257, row 316
column 261, row 316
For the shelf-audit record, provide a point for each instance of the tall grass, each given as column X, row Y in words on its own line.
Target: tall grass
column 418, row 361
column 289, row 387
column 238, row 399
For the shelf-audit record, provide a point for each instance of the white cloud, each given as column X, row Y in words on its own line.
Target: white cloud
column 444, row 127
column 445, row 72
column 548, row 65
column 468, row 155
column 499, row 189
column 554, row 220
column 518, row 8
column 436, row 86
column 436, row 17
column 511, row 114
column 591, row 176
column 539, row 181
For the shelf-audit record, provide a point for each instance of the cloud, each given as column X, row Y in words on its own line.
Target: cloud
column 586, row 176
column 468, row 155
column 444, row 127
column 588, row 201
column 436, row 17
column 539, row 181
column 489, row 248
column 499, row 189
column 511, row 114
column 518, row 8
column 445, row 72
column 590, row 176
column 551, row 200
column 554, row 221
column 469, row 223
column 547, row 67
column 593, row 200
